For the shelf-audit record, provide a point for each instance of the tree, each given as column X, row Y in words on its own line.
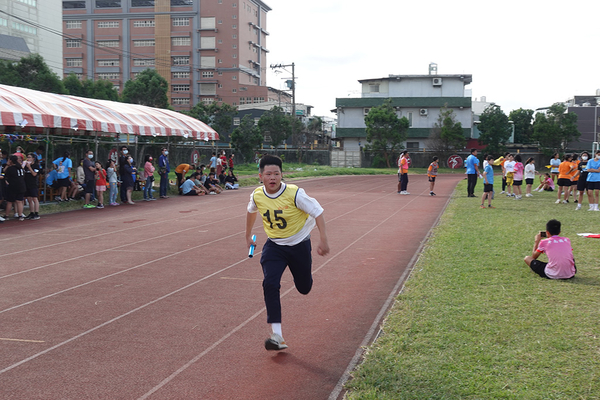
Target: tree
column 447, row 134
column 74, row 86
column 555, row 129
column 385, row 131
column 276, row 124
column 246, row 138
column 522, row 120
column 217, row 116
column 101, row 89
column 149, row 88
column 495, row 129
column 31, row 72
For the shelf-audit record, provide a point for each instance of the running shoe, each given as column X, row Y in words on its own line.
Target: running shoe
column 490, row 206
column 2, row 219
column 557, row 201
column 30, row 216
column 89, row 206
column 275, row 342
column 100, row 206
column 36, row 216
column 578, row 207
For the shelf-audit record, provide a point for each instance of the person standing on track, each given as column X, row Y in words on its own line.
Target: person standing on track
column 472, row 165
column 163, row 170
column 431, row 174
column 403, row 173
column 289, row 215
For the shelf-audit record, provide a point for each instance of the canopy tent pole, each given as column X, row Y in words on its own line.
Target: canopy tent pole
column 45, row 173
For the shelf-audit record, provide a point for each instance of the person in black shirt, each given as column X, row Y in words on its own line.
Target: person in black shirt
column 31, row 170
column 122, row 163
column 15, row 187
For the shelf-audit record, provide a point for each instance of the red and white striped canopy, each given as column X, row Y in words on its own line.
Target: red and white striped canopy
column 50, row 110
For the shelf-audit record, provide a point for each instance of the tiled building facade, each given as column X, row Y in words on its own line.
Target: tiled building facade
column 208, row 51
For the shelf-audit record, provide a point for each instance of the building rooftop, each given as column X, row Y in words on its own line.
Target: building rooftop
column 13, row 43
column 466, row 78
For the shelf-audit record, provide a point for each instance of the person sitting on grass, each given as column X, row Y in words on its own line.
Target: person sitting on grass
column 488, row 183
column 197, row 178
column 561, row 264
column 188, row 188
column 231, row 181
column 212, row 185
column 546, row 183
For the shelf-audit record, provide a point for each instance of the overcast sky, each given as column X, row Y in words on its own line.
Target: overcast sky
column 524, row 53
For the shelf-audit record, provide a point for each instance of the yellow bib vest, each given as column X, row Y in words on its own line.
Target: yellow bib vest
column 281, row 218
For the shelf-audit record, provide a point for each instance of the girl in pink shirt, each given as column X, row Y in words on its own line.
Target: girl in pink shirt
column 149, row 172
column 518, row 177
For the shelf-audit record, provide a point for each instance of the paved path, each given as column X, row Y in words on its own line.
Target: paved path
column 159, row 300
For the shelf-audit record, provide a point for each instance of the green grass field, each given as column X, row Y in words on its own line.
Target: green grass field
column 473, row 322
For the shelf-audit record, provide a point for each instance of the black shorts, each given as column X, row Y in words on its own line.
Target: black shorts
column 31, row 192
column 488, row 187
column 529, row 181
column 191, row 193
column 593, row 185
column 517, row 183
column 11, row 196
column 582, row 184
column 55, row 185
column 432, row 179
column 66, row 182
column 564, row 182
column 539, row 267
column 89, row 186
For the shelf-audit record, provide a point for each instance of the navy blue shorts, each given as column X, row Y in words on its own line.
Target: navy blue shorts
column 274, row 260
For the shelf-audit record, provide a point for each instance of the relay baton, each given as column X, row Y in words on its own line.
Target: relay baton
column 251, row 251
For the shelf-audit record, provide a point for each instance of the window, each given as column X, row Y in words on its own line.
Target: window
column 234, row 90
column 73, row 4
column 410, row 119
column 108, row 43
column 71, row 43
column 207, row 42
column 236, row 121
column 109, row 76
column 78, row 76
column 108, row 3
column 74, row 62
column 149, row 23
column 207, row 62
column 3, row 22
column 73, row 24
column 256, row 119
column 181, row 60
column 108, row 63
column 412, row 145
column 208, row 74
column 235, row 46
column 31, row 3
column 180, row 88
column 234, row 5
column 181, row 41
column 220, row 85
column 178, row 101
column 143, row 43
column 24, row 28
column 181, row 75
column 234, row 16
column 234, row 55
column 234, row 77
column 234, row 36
column 374, row 88
column 220, row 21
column 142, row 3
column 181, row 22
column 207, row 23
column 143, row 62
column 182, row 2
column 208, row 100
column 108, row 24
column 234, row 26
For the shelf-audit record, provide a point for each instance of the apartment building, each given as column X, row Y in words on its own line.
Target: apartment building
column 32, row 26
column 208, row 51
column 419, row 98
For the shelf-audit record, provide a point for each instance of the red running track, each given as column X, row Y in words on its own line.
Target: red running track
column 160, row 301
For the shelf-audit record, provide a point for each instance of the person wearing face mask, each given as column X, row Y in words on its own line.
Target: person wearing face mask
column 149, row 172
column 582, row 177
column 593, row 181
column 89, row 170
column 163, row 170
column 122, row 163
column 127, row 180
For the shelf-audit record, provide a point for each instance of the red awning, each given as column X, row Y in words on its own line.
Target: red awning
column 32, row 108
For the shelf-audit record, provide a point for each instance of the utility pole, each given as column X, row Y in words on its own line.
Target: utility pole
column 292, row 86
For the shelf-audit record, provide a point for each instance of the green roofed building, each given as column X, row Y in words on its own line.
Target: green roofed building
column 419, row 98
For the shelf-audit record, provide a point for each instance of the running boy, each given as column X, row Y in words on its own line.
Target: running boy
column 488, row 183
column 288, row 215
column 432, row 173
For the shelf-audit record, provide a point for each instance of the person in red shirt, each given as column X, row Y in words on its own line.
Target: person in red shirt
column 230, row 162
column 100, row 184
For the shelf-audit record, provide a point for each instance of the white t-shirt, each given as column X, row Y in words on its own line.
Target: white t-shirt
column 530, row 171
column 509, row 166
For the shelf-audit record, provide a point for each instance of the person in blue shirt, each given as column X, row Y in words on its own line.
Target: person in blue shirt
column 593, row 181
column 163, row 171
column 472, row 165
column 63, row 168
column 189, row 188
column 488, row 183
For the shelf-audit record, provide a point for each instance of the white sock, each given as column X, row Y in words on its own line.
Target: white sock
column 277, row 328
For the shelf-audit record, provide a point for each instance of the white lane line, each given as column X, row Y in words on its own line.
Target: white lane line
column 21, row 340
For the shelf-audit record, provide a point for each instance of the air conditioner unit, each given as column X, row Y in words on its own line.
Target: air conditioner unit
column 366, row 111
column 423, row 112
column 437, row 81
